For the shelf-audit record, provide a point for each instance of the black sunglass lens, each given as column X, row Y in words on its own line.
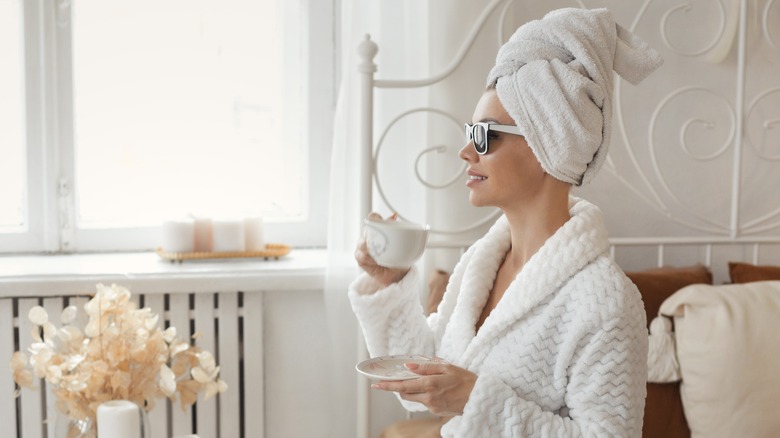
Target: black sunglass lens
column 480, row 139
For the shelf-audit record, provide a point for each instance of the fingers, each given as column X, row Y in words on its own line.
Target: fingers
column 427, row 369
column 411, row 390
column 443, row 388
column 377, row 217
column 361, row 254
column 413, row 386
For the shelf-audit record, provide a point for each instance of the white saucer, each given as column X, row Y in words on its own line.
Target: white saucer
column 392, row 367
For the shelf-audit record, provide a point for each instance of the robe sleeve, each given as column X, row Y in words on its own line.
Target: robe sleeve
column 605, row 393
column 392, row 318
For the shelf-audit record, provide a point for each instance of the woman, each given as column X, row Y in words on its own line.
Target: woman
column 540, row 331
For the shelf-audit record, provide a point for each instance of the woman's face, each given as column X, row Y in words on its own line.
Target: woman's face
column 509, row 174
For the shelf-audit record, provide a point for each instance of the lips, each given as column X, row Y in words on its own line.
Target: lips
column 475, row 176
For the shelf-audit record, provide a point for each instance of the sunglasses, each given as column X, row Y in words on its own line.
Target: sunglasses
column 478, row 133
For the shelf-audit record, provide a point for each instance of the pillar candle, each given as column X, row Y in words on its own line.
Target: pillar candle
column 253, row 234
column 178, row 235
column 203, row 236
column 119, row 419
column 227, row 235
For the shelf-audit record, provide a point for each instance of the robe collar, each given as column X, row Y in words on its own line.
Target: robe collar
column 578, row 242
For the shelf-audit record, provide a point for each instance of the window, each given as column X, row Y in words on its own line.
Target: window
column 12, row 164
column 157, row 110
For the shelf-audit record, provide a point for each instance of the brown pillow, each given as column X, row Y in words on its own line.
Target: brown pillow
column 664, row 414
column 657, row 284
column 746, row 273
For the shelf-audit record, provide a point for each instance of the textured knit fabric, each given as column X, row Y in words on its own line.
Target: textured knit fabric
column 564, row 353
column 554, row 77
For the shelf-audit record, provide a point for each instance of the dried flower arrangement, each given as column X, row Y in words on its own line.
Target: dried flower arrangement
column 120, row 354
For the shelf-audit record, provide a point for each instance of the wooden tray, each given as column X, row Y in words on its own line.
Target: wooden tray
column 272, row 250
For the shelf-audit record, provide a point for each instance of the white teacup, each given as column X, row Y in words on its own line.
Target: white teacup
column 395, row 244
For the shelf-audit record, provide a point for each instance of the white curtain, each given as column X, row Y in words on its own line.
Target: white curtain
column 415, row 39
column 343, row 230
column 392, row 25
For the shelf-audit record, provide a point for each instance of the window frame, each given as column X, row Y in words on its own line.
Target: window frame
column 49, row 129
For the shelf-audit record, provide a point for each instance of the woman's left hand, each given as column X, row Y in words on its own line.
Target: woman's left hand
column 443, row 388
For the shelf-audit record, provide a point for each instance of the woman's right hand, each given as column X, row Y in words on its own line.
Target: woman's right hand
column 383, row 276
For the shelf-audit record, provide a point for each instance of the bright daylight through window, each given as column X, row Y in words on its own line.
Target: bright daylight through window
column 182, row 110
column 116, row 116
column 12, row 161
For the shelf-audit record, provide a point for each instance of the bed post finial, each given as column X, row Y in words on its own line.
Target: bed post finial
column 367, row 49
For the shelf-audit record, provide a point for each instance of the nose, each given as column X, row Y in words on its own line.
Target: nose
column 467, row 152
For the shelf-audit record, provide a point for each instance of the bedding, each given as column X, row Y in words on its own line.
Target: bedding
column 664, row 415
column 729, row 357
column 658, row 284
column 746, row 272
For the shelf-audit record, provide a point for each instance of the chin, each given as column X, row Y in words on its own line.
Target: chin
column 476, row 201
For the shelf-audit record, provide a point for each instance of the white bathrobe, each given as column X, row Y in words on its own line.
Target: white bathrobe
column 564, row 353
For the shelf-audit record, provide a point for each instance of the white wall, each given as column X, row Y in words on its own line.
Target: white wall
column 695, row 148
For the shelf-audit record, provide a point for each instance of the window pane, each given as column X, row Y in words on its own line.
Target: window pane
column 178, row 107
column 12, row 149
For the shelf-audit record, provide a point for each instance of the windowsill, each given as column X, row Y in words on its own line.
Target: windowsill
column 146, row 272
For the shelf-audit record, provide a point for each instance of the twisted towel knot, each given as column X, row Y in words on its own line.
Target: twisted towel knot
column 554, row 78
column 662, row 364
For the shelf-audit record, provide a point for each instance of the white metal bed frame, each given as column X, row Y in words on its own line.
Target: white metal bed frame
column 734, row 241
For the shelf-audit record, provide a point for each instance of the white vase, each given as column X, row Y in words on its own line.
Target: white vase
column 122, row 419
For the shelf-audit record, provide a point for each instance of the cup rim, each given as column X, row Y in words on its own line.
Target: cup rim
column 399, row 224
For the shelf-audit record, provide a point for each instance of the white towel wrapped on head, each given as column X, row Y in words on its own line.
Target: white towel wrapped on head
column 554, row 78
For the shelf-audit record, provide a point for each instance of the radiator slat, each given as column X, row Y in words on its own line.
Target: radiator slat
column 81, row 315
column 32, row 400
column 158, row 417
column 254, row 414
column 229, row 406
column 54, row 308
column 7, row 347
column 204, row 326
column 179, row 313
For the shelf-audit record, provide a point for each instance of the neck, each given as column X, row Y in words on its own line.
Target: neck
column 533, row 222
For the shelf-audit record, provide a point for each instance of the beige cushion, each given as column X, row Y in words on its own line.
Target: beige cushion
column 729, row 354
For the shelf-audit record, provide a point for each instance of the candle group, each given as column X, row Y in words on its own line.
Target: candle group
column 177, row 235
column 202, row 234
column 227, row 235
column 253, row 234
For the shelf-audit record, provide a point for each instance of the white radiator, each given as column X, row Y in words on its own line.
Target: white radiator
column 223, row 321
